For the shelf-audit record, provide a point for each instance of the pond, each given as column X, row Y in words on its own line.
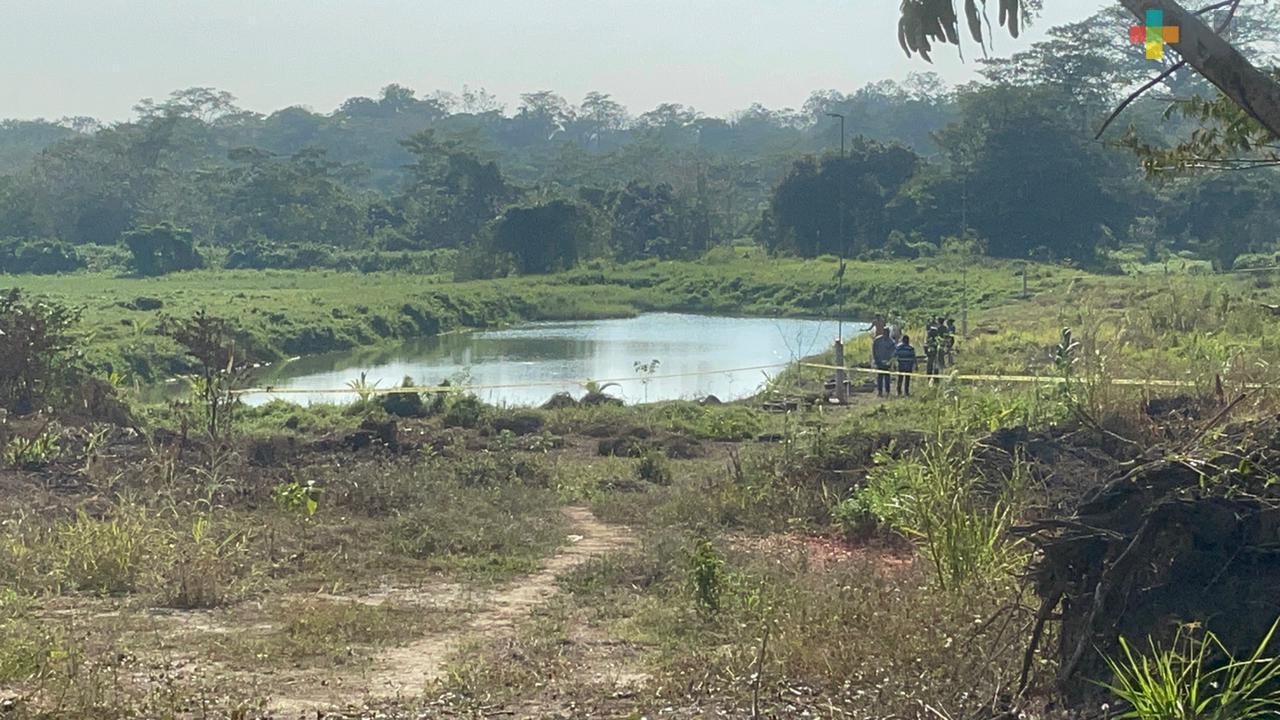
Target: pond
column 696, row 356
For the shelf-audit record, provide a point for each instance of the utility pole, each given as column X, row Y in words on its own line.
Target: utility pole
column 842, row 378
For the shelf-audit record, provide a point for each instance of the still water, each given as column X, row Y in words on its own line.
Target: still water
column 535, row 360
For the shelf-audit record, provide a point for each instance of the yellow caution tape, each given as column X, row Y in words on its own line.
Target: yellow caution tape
column 992, row 378
column 1040, row 379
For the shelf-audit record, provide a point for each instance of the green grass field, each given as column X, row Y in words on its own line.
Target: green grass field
column 289, row 313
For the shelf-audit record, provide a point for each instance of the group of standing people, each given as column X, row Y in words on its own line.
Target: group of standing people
column 891, row 346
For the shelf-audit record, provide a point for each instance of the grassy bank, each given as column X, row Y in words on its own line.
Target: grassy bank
column 288, row 313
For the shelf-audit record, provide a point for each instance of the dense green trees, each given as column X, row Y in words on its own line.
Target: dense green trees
column 1024, row 181
column 652, row 221
column 543, row 238
column 452, row 193
column 161, row 249
column 804, row 214
column 38, row 257
column 402, row 180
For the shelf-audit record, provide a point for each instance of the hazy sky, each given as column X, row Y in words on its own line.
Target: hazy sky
column 99, row 57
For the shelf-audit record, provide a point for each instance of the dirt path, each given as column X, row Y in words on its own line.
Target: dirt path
column 403, row 672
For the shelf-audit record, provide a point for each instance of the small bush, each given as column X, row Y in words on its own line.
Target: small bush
column 1197, row 678
column 409, row 404
column 707, row 575
column 320, row 627
column 208, row 567
column 518, row 422
column 714, row 422
column 38, row 361
column 464, row 412
column 654, row 468
column 31, row 453
column 104, row 556
column 497, row 469
column 933, row 496
column 38, row 257
column 853, row 517
column 26, row 645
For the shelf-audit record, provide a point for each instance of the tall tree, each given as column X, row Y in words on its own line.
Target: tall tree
column 924, row 22
column 543, row 238
column 452, row 193
column 804, row 214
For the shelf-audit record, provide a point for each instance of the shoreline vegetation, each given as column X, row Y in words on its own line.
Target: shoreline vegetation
column 281, row 314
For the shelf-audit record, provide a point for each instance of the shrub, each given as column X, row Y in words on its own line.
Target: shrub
column 853, row 517
column 333, row 626
column 26, row 645
column 31, row 453
column 465, row 411
column 654, row 468
column 497, row 469
column 39, row 355
column 707, row 575
column 407, row 404
column 161, row 249
column 207, row 566
column 38, row 257
column 933, row 496
column 294, row 498
column 104, row 556
column 221, row 364
column 1254, row 261
column 713, row 422
column 517, row 423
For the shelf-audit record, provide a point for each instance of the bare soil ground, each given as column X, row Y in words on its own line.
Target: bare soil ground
column 403, row 672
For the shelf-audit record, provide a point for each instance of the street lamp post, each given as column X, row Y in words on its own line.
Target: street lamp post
column 842, row 387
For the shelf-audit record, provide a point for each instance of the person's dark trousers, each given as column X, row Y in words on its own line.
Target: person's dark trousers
column 904, row 384
column 884, row 381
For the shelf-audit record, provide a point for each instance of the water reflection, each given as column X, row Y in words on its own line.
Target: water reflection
column 534, row 361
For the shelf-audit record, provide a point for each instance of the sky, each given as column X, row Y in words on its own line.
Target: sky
column 97, row 58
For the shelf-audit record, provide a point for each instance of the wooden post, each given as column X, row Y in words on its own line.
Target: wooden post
column 842, row 377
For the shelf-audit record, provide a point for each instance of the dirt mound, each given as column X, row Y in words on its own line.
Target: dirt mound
column 560, row 401
column 637, row 441
column 1188, row 535
column 1065, row 463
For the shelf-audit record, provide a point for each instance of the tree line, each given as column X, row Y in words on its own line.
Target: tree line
column 456, row 182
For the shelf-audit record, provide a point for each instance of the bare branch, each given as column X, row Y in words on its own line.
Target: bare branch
column 1137, row 94
column 1219, row 62
column 1217, row 6
column 1222, row 26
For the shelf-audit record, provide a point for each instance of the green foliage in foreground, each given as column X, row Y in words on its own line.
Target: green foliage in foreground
column 1197, row 679
column 935, row 496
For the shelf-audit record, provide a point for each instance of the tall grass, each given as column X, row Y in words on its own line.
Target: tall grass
column 933, row 496
column 1197, row 679
column 105, row 555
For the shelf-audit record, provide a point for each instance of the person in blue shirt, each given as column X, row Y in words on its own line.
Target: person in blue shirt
column 906, row 355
